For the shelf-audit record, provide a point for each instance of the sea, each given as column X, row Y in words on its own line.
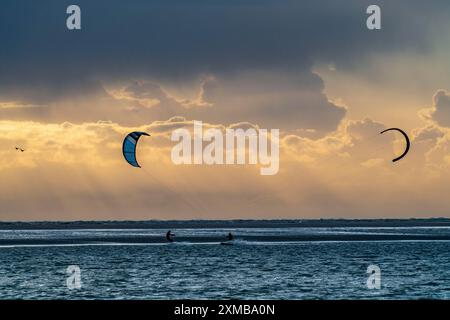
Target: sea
column 269, row 259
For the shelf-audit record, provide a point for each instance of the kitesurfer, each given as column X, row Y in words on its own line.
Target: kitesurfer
column 169, row 236
column 230, row 237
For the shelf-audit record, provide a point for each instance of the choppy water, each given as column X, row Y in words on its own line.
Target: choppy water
column 265, row 267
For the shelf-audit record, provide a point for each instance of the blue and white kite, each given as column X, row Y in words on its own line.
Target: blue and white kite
column 129, row 147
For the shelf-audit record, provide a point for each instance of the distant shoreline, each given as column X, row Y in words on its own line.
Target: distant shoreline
column 174, row 224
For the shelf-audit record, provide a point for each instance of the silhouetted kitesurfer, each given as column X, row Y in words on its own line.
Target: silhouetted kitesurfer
column 169, row 236
column 230, row 237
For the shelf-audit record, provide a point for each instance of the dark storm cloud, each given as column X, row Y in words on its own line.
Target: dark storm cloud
column 178, row 38
column 41, row 62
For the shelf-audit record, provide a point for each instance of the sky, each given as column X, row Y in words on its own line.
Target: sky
column 311, row 69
